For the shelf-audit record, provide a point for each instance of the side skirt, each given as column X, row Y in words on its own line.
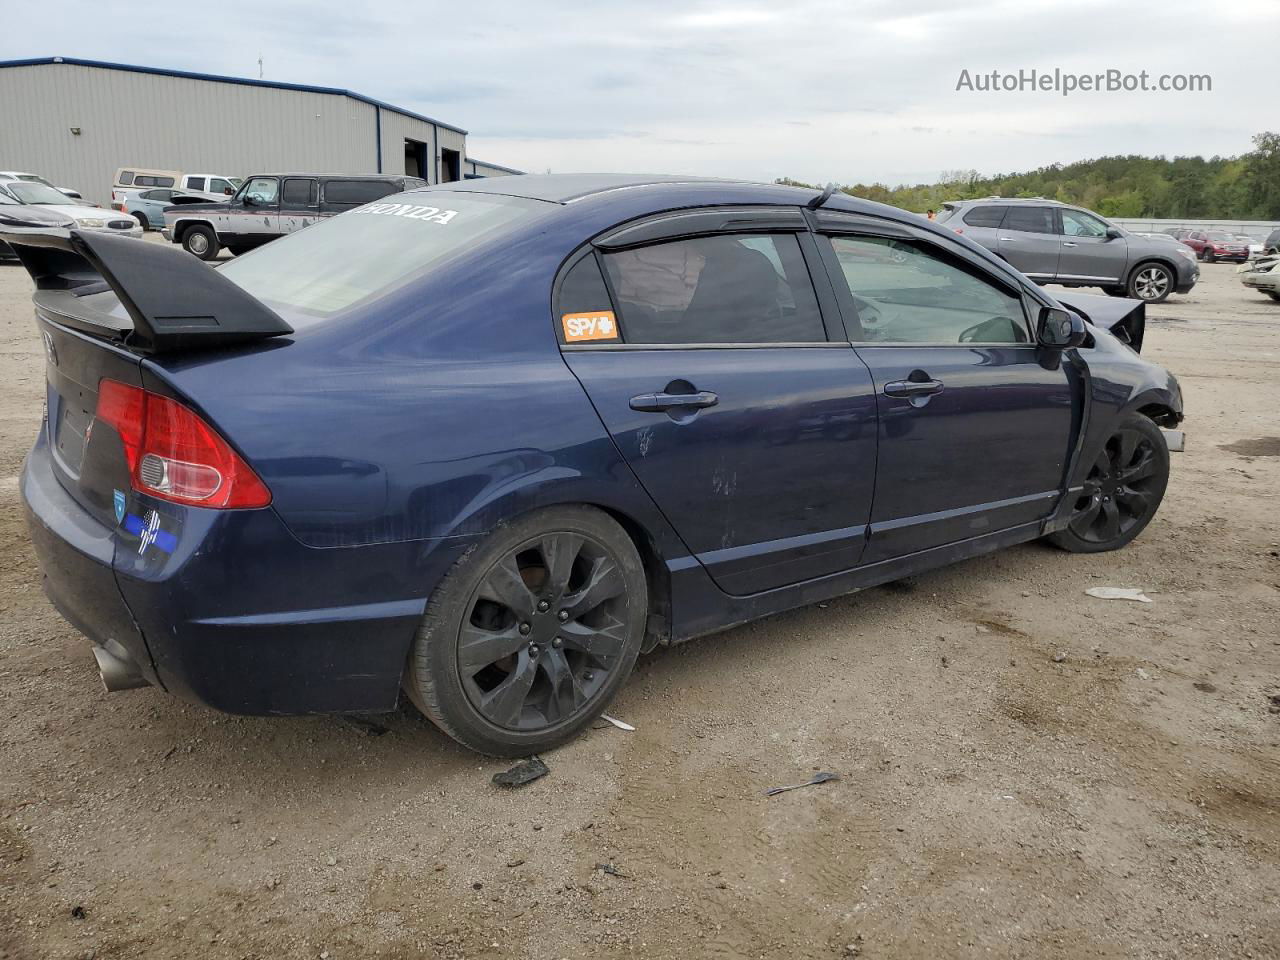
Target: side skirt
column 700, row 608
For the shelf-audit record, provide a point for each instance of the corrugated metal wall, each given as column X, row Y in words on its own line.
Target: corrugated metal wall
column 197, row 126
column 478, row 168
column 1254, row 228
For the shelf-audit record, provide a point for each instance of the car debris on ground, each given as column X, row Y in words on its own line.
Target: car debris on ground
column 1119, row 593
column 526, row 771
column 817, row 778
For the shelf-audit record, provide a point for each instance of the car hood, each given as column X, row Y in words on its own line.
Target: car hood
column 37, row 217
column 76, row 211
column 1126, row 319
column 200, row 207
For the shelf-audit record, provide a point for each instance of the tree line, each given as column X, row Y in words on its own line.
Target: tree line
column 1246, row 187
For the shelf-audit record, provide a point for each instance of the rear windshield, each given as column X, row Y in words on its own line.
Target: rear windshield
column 369, row 251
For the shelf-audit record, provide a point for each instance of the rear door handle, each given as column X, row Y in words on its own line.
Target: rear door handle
column 1067, row 243
column 912, row 388
column 658, row 402
column 1008, row 239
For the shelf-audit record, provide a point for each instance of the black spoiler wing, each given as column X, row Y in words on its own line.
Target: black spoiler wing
column 1127, row 319
column 174, row 300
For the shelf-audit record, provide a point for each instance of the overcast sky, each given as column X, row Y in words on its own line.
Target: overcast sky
column 850, row 90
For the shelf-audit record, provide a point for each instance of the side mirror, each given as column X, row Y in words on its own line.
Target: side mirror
column 1113, row 233
column 1060, row 329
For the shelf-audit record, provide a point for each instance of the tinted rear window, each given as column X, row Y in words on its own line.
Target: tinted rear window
column 987, row 216
column 367, row 252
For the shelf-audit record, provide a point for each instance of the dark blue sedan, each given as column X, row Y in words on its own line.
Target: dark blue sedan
column 487, row 442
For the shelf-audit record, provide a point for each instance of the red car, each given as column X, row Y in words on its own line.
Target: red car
column 1215, row 245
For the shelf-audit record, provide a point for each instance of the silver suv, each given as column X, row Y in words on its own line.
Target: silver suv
column 1052, row 242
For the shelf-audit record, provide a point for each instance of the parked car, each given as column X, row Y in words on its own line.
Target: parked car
column 1272, row 243
column 1220, row 245
column 86, row 216
column 489, row 440
column 1052, row 242
column 1180, row 248
column 19, row 216
column 212, row 186
column 148, row 206
column 1262, row 275
column 35, row 178
column 1253, row 244
column 271, row 205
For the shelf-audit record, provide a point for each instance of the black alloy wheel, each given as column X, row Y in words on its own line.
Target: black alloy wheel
column 530, row 636
column 1122, row 491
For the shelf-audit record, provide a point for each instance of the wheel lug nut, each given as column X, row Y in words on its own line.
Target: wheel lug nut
column 588, row 676
column 543, row 606
column 563, row 615
column 557, row 643
column 524, row 629
column 533, row 650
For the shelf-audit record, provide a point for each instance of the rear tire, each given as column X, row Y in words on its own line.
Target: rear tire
column 1273, row 296
column 201, row 241
column 531, row 634
column 1115, row 291
column 142, row 221
column 1122, row 491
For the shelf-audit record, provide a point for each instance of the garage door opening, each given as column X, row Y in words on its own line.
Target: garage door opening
column 450, row 165
column 415, row 159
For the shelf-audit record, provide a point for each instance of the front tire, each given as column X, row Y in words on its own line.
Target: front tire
column 532, row 633
column 201, row 241
column 142, row 221
column 1122, row 491
column 1273, row 296
column 1151, row 283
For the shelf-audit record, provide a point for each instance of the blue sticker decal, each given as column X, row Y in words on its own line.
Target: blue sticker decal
column 118, row 499
column 148, row 532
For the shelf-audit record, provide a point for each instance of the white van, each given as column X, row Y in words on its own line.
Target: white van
column 212, row 186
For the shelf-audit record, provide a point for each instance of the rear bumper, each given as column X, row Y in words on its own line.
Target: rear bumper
column 238, row 615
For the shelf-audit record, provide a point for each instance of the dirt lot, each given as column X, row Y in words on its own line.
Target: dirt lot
column 1025, row 771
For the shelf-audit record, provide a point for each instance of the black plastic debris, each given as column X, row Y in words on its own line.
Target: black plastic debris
column 612, row 871
column 813, row 781
column 78, row 912
column 526, row 771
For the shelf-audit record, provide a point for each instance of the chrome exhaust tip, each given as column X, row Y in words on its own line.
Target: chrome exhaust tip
column 117, row 670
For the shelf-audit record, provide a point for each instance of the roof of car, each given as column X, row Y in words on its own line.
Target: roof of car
column 333, row 176
column 567, row 187
column 1035, row 200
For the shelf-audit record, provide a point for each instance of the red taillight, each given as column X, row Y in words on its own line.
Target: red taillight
column 173, row 454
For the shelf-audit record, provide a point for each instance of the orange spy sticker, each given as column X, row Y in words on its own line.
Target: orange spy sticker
column 600, row 325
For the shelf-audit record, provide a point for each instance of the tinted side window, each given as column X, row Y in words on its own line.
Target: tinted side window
column 299, row 193
column 1030, row 220
column 195, row 183
column 355, row 192
column 583, row 307
column 148, row 181
column 909, row 292
column 987, row 216
column 126, row 178
column 165, row 195
column 721, row 289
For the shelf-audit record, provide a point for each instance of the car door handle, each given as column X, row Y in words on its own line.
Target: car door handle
column 1067, row 243
column 912, row 388
column 658, row 402
column 1008, row 239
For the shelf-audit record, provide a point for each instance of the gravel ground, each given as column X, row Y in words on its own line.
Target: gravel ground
column 1025, row 771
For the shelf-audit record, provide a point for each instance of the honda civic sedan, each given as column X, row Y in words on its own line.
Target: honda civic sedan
column 487, row 442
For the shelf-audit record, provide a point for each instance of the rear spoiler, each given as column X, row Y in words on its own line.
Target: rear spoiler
column 1127, row 319
column 174, row 300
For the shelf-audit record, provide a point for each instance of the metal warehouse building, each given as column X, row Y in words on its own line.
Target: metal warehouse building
column 75, row 122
